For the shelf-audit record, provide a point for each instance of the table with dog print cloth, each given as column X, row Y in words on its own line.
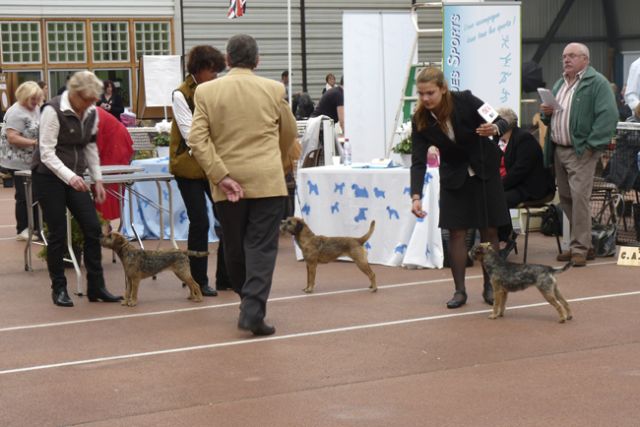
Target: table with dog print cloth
column 343, row 200
column 146, row 219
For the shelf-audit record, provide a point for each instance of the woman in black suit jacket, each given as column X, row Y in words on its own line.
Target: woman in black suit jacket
column 471, row 193
column 525, row 177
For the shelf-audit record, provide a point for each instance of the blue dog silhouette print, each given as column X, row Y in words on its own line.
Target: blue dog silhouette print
column 400, row 249
column 378, row 193
column 407, row 190
column 427, row 177
column 392, row 213
column 306, row 209
column 362, row 215
column 367, row 246
column 335, row 208
column 313, row 188
column 339, row 188
column 183, row 217
column 360, row 191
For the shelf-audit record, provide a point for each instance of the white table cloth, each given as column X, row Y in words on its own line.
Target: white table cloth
column 343, row 200
column 146, row 219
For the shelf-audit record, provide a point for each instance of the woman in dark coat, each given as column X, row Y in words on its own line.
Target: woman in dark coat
column 471, row 193
column 524, row 176
column 111, row 100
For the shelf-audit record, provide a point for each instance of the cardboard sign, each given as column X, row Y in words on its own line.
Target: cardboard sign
column 487, row 112
column 629, row 255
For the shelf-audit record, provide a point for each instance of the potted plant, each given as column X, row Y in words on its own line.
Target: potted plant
column 161, row 141
column 403, row 148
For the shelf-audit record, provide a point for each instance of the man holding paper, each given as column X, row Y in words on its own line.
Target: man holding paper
column 579, row 131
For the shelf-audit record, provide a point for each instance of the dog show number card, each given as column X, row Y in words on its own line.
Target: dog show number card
column 487, row 112
column 629, row 255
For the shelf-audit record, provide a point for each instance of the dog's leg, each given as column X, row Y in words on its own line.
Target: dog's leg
column 363, row 265
column 563, row 301
column 497, row 297
column 503, row 302
column 311, row 277
column 195, row 294
column 127, row 290
column 133, row 297
column 550, row 296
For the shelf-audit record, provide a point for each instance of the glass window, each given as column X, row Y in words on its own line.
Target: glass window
column 58, row 80
column 121, row 80
column 66, row 41
column 20, row 42
column 153, row 38
column 110, row 41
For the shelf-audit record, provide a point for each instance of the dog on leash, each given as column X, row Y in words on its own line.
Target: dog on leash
column 322, row 249
column 511, row 277
column 139, row 264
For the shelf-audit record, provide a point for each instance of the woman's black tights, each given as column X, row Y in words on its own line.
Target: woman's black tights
column 458, row 254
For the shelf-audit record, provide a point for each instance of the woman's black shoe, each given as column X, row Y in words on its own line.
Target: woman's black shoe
column 102, row 294
column 61, row 298
column 459, row 299
column 487, row 293
column 510, row 246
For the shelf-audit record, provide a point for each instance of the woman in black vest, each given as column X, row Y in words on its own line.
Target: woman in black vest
column 67, row 147
column 203, row 65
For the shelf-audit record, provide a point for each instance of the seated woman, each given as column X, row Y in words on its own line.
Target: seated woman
column 523, row 174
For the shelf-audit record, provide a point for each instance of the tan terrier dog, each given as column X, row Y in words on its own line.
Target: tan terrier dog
column 322, row 249
column 139, row 264
column 511, row 277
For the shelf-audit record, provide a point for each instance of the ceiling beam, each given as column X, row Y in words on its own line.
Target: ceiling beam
column 551, row 32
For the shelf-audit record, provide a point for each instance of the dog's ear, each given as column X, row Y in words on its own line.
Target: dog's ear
column 298, row 228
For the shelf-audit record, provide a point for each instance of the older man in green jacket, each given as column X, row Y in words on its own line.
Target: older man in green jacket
column 579, row 131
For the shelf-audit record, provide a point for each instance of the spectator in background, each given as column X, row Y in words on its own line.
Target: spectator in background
column 45, row 90
column 523, row 174
column 332, row 105
column 330, row 82
column 302, row 105
column 203, row 64
column 111, row 100
column 577, row 136
column 64, row 86
column 18, row 140
column 66, row 148
column 623, row 109
column 115, row 147
column 284, row 79
column 632, row 92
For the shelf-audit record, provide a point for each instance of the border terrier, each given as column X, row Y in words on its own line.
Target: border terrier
column 139, row 264
column 510, row 277
column 322, row 249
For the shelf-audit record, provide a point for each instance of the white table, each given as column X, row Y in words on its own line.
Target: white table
column 140, row 218
column 342, row 201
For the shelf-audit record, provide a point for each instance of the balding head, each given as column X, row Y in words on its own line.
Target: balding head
column 575, row 58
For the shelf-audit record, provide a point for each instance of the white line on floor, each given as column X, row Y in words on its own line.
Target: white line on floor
column 234, row 304
column 290, row 336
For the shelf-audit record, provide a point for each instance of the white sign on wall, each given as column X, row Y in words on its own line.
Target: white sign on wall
column 162, row 75
column 378, row 48
column 482, row 51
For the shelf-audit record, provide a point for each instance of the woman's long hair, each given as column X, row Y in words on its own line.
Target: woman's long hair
column 442, row 111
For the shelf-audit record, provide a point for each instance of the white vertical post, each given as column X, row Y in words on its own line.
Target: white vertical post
column 289, row 48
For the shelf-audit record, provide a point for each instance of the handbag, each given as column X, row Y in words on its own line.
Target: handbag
column 603, row 239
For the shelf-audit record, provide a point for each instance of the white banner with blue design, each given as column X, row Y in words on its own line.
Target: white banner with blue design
column 342, row 201
column 482, row 51
column 146, row 217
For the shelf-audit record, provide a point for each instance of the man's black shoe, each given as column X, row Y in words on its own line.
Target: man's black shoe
column 208, row 292
column 61, row 298
column 258, row 328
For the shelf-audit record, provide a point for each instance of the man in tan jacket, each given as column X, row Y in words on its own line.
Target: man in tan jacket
column 242, row 130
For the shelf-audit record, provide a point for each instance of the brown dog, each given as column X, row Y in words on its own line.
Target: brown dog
column 322, row 249
column 139, row 264
column 510, row 277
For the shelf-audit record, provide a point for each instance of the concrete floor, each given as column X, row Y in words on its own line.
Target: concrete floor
column 341, row 357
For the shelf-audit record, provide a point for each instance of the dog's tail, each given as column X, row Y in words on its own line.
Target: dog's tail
column 563, row 268
column 364, row 238
column 197, row 254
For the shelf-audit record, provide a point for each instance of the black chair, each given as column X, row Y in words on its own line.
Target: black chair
column 538, row 205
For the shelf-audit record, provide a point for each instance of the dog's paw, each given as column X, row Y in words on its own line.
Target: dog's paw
column 373, row 289
column 569, row 317
column 124, row 302
column 493, row 316
column 308, row 290
column 562, row 320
